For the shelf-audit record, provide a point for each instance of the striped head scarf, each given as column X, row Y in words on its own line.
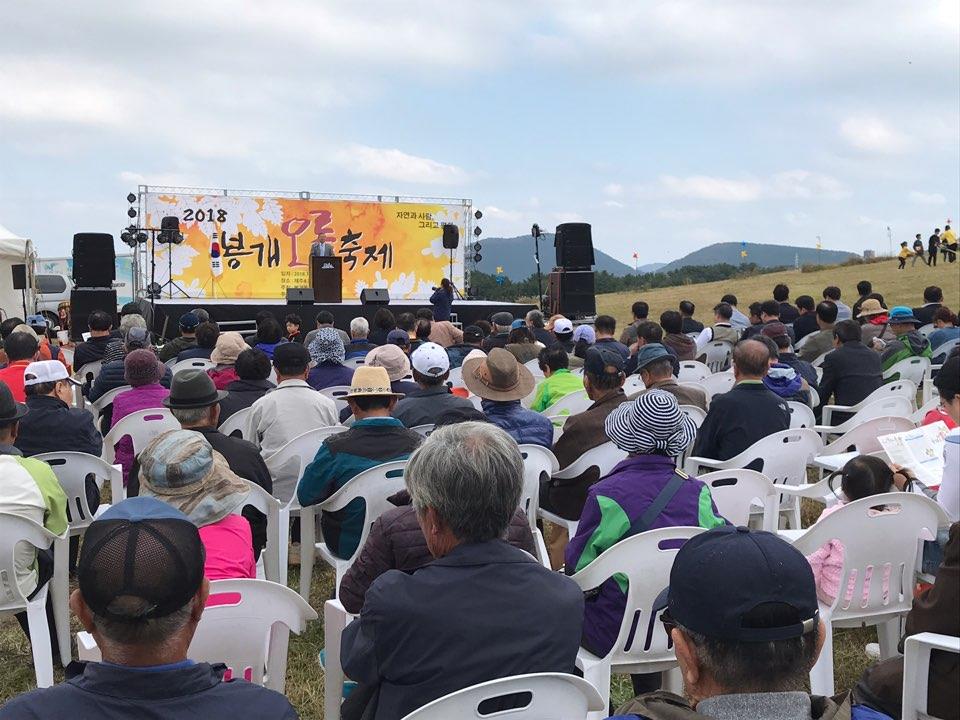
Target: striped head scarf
column 327, row 346
column 653, row 423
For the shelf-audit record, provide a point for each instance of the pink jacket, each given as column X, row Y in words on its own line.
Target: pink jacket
column 229, row 547
column 127, row 403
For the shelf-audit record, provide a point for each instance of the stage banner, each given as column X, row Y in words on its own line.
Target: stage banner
column 238, row 247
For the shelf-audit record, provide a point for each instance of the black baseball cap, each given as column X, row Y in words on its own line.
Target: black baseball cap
column 291, row 353
column 719, row 577
column 471, row 333
column 603, row 361
column 140, row 548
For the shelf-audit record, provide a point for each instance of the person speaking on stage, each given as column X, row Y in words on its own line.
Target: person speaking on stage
column 442, row 299
column 321, row 248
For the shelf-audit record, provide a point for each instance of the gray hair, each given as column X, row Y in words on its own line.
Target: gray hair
column 132, row 320
column 202, row 315
column 359, row 327
column 471, row 473
column 190, row 416
column 535, row 318
column 135, row 630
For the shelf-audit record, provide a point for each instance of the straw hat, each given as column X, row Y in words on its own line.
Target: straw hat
column 371, row 381
column 871, row 306
column 498, row 376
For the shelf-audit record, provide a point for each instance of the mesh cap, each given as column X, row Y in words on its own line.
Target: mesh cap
column 142, row 549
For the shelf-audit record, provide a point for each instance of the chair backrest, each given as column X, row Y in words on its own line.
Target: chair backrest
column 603, row 457
column 646, row 560
column 892, row 406
column 236, row 424
column 455, row 379
column 13, row 531
column 424, row 430
column 293, row 458
column 911, row 368
column 538, row 464
column 944, row 349
column 534, row 367
column 693, row 371
column 572, row 404
column 906, row 388
column 192, row 364
column 246, row 625
column 817, row 362
column 716, row 355
column 355, row 362
column 696, row 386
column 878, row 548
column 633, row 384
column 694, row 413
column 864, row 436
column 141, row 427
column 105, row 400
column 72, row 469
column 925, row 330
column 801, row 416
column 719, row 383
column 337, row 393
column 476, row 400
column 931, row 404
column 375, row 486
column 737, row 493
column 91, row 368
column 557, row 696
column 916, row 670
column 784, row 455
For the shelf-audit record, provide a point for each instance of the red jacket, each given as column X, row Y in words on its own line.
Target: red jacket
column 12, row 375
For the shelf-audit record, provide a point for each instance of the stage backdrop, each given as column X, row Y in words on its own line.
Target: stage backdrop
column 264, row 244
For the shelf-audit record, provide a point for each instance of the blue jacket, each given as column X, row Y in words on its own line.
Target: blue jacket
column 523, row 425
column 329, row 374
column 484, row 611
column 441, row 301
column 52, row 426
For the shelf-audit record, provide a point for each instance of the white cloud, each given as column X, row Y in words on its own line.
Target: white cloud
column 804, row 184
column 393, row 164
column 500, row 214
column 613, row 190
column 872, row 135
column 922, row 198
column 789, row 184
column 704, row 187
column 613, row 204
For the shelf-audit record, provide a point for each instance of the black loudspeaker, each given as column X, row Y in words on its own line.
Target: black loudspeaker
column 19, row 276
column 451, row 237
column 374, row 296
column 84, row 302
column 300, row 296
column 578, row 294
column 94, row 260
column 574, row 244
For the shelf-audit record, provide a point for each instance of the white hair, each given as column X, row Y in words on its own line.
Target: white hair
column 359, row 328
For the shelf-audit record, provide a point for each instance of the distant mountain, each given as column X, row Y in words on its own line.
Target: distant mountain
column 515, row 256
column 763, row 255
column 649, row 268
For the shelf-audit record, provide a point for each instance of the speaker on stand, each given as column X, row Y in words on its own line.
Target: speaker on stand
column 94, row 260
column 572, row 282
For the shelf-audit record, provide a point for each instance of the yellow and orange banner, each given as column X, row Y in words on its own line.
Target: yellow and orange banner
column 240, row 246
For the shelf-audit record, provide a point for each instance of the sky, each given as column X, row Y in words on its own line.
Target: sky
column 667, row 125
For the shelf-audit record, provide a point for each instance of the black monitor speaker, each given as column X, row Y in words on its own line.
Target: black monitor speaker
column 578, row 296
column 84, row 302
column 19, row 276
column 574, row 244
column 374, row 296
column 300, row 296
column 94, row 260
column 451, row 236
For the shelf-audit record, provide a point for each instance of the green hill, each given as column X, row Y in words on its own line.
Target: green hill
column 766, row 256
column 515, row 256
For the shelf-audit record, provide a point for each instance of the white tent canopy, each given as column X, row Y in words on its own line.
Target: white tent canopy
column 14, row 250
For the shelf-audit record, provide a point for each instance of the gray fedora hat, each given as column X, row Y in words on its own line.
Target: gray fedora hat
column 192, row 389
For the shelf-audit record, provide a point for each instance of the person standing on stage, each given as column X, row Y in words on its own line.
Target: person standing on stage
column 442, row 299
column 321, row 248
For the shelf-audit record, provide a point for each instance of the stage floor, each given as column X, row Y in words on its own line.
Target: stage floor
column 239, row 314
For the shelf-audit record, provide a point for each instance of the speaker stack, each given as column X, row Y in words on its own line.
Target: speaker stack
column 571, row 285
column 94, row 270
column 374, row 296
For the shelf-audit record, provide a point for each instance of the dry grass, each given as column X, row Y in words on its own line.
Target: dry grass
column 898, row 287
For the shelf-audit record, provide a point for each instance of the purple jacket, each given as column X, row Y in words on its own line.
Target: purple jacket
column 613, row 504
column 126, row 403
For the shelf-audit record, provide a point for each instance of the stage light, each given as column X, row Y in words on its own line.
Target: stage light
column 477, row 214
column 170, row 231
column 477, row 246
column 477, row 231
column 131, row 212
column 131, row 198
column 128, row 238
column 478, row 257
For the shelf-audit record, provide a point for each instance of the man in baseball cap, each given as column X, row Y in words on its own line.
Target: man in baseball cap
column 742, row 612
column 188, row 337
column 501, row 331
column 432, row 398
column 141, row 595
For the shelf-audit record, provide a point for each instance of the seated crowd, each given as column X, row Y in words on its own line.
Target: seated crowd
column 449, row 589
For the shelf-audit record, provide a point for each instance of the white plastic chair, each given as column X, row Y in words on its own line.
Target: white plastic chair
column 784, row 456
column 931, row 404
column 355, row 362
column 141, row 427
column 476, row 400
column 942, row 352
column 818, row 361
column 737, row 494
column 72, row 469
column 603, row 457
column 424, row 430
column 534, row 367
column 374, row 486
column 719, row 383
column 236, row 423
column 338, row 394
column 537, row 460
column 556, row 696
column 455, row 380
column 572, row 404
column 916, row 670
column 925, row 330
column 904, row 388
column 696, row 386
column 193, row 364
column 245, row 625
column 14, row 530
column 91, row 368
column 693, row 371
column 646, row 560
column 801, row 416
column 874, row 546
column 863, row 438
column 717, row 355
column 633, row 385
column 267, row 504
column 98, row 406
column 913, row 369
column 892, row 406
column 694, row 413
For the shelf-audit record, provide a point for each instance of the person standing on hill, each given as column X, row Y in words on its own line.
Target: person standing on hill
column 933, row 247
column 918, row 251
column 903, row 255
column 948, row 242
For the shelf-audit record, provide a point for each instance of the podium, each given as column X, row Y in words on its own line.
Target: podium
column 326, row 279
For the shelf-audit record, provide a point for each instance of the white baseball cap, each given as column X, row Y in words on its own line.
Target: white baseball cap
column 562, row 326
column 430, row 359
column 46, row 371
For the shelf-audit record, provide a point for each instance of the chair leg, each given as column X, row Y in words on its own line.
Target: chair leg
column 283, row 551
column 40, row 633
column 889, row 636
column 308, row 530
column 598, row 675
column 821, row 674
column 59, row 590
column 334, row 622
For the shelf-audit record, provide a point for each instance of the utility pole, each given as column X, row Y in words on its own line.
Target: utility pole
column 890, row 239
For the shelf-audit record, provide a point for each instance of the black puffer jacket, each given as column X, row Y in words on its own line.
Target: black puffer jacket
column 397, row 543
column 111, row 377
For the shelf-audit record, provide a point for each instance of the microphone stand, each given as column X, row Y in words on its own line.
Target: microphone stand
column 535, row 234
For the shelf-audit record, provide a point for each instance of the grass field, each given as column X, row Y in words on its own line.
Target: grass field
column 898, row 287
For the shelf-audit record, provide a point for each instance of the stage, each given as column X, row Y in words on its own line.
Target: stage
column 239, row 314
